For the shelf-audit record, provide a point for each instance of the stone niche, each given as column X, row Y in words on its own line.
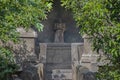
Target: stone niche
column 71, row 32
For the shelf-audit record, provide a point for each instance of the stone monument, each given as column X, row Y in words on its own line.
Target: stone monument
column 59, row 32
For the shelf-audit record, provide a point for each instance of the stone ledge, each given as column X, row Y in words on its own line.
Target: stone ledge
column 89, row 58
column 58, row 44
column 30, row 33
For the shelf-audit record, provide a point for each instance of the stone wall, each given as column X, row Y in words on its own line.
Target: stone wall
column 25, row 50
column 25, row 56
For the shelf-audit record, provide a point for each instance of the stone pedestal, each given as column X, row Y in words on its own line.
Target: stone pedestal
column 63, row 57
column 89, row 58
column 55, row 56
column 90, row 61
column 87, row 45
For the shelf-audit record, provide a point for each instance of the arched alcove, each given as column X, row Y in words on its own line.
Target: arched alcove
column 71, row 34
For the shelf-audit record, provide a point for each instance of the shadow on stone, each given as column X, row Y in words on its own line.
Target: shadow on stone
column 83, row 73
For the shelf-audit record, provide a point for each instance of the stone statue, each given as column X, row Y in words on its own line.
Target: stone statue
column 40, row 71
column 59, row 32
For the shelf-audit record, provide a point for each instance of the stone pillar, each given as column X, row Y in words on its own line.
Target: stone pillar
column 87, row 45
column 86, row 61
column 42, row 60
column 76, row 52
column 43, row 51
column 89, row 58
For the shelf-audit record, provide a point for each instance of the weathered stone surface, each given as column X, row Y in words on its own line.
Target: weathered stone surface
column 77, row 49
column 59, row 32
column 25, row 50
column 83, row 73
column 33, row 72
column 15, row 77
column 90, row 61
column 29, row 72
column 30, row 33
column 43, row 51
column 89, row 76
column 58, row 56
column 79, row 71
column 62, row 74
column 87, row 45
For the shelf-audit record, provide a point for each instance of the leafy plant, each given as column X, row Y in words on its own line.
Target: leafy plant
column 100, row 20
column 14, row 14
column 7, row 64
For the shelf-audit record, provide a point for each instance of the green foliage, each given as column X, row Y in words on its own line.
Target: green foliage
column 14, row 14
column 7, row 64
column 107, row 72
column 100, row 19
column 21, row 13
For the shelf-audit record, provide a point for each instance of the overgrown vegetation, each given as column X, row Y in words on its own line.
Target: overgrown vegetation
column 100, row 19
column 7, row 65
column 14, row 14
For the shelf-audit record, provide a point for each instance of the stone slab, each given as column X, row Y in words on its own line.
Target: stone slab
column 62, row 74
column 60, row 54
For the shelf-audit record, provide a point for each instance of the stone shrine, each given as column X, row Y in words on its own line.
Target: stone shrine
column 57, row 53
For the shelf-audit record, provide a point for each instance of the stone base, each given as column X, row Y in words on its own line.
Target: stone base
column 62, row 74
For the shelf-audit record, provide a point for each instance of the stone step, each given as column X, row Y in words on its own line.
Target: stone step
column 59, row 74
column 58, row 48
column 58, row 44
column 51, row 66
column 62, row 74
column 58, row 56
